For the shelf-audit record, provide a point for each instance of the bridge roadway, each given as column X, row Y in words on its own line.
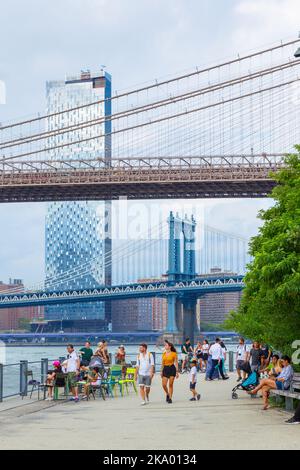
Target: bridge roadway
column 195, row 288
column 236, row 176
column 216, row 422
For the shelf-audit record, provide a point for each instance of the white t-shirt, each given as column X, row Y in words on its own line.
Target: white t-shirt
column 216, row 351
column 241, row 352
column 144, row 363
column 224, row 351
column 72, row 362
column 193, row 371
column 205, row 348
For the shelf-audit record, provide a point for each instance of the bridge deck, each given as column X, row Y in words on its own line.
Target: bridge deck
column 140, row 178
column 216, row 422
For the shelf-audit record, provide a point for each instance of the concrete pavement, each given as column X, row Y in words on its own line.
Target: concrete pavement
column 216, row 422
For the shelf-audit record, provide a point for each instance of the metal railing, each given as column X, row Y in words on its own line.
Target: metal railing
column 15, row 378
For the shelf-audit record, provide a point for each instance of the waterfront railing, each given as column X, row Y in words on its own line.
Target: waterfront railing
column 17, row 379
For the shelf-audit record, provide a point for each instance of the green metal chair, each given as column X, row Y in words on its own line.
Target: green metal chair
column 61, row 381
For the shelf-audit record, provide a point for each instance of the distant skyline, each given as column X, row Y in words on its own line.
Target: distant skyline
column 137, row 41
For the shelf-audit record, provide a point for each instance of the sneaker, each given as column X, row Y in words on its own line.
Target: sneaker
column 226, row 378
column 170, row 400
column 76, row 399
column 143, row 403
column 71, row 399
column 192, row 399
column 239, row 379
column 167, row 398
column 198, row 396
column 292, row 421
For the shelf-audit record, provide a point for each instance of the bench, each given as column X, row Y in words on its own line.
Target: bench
column 290, row 395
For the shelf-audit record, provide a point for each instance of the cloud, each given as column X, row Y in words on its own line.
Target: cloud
column 138, row 40
column 259, row 22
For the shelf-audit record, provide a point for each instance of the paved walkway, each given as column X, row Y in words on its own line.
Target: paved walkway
column 216, row 422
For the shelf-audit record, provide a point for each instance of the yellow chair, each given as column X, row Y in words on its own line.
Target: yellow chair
column 129, row 380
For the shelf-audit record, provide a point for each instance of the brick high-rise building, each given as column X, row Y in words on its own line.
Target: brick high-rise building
column 141, row 314
column 11, row 318
column 215, row 307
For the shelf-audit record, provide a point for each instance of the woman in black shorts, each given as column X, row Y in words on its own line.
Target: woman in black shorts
column 169, row 370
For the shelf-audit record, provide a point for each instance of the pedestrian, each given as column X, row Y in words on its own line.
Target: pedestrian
column 241, row 359
column 105, row 353
column 224, row 356
column 217, row 354
column 73, row 370
column 144, row 372
column 86, row 354
column 266, row 354
column 296, row 418
column 169, row 370
column 186, row 351
column 199, row 355
column 120, row 355
column 193, row 381
column 205, row 349
column 255, row 357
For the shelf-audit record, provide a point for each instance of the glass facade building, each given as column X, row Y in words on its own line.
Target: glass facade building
column 75, row 231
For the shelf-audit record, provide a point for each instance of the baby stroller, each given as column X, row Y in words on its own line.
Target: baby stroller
column 247, row 385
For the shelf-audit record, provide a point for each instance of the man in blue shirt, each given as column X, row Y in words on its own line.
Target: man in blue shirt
column 281, row 382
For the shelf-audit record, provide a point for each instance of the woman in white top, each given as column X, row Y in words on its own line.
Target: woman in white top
column 205, row 349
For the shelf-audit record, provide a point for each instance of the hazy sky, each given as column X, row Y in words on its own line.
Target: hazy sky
column 137, row 40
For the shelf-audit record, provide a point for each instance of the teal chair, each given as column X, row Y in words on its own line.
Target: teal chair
column 115, row 379
column 111, row 380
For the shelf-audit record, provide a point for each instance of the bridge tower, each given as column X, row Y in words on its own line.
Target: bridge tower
column 181, row 268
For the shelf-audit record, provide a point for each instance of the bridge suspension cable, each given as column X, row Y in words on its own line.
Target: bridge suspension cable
column 148, row 107
column 157, row 84
column 155, row 121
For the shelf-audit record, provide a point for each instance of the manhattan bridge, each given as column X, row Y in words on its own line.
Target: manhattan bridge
column 219, row 131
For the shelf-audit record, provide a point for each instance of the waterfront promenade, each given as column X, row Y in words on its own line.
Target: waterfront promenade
column 216, row 422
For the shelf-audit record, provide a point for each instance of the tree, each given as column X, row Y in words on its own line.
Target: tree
column 270, row 306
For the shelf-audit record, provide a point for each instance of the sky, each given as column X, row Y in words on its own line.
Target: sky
column 137, row 41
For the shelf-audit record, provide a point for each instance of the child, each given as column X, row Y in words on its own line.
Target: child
column 93, row 379
column 193, row 381
column 51, row 379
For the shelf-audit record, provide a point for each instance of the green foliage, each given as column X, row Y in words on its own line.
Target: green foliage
column 270, row 305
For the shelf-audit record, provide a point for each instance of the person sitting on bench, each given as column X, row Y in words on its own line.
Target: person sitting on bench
column 281, row 382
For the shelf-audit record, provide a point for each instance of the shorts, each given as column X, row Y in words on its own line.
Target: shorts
column 279, row 385
column 144, row 381
column 240, row 364
column 193, row 386
column 205, row 357
column 199, row 355
column 184, row 357
column 169, row 371
column 96, row 384
column 72, row 379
